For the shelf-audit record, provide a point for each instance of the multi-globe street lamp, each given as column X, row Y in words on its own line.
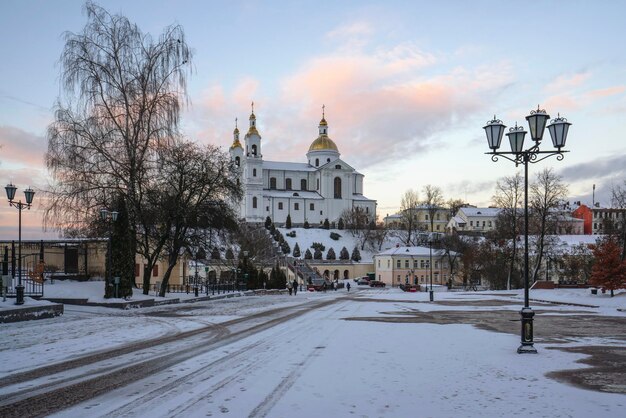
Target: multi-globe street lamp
column 109, row 217
column 19, row 205
column 558, row 128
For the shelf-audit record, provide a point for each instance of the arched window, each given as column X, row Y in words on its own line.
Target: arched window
column 254, row 172
column 254, row 202
column 327, row 160
column 303, row 184
column 287, row 184
column 272, row 183
column 337, row 184
column 237, row 161
column 318, row 184
column 338, row 166
column 317, row 162
column 254, row 149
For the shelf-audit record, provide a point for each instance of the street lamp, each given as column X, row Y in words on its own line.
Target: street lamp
column 19, row 205
column 431, row 241
column 558, row 128
column 109, row 217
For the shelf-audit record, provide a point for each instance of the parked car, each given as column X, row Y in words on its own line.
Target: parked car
column 376, row 283
column 364, row 280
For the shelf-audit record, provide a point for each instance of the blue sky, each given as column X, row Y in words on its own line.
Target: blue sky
column 407, row 85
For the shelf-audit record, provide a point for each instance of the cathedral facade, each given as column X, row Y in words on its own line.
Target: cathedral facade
column 313, row 191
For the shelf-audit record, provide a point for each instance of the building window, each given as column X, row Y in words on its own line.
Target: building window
column 254, row 202
column 422, row 264
column 267, row 208
column 280, row 205
column 321, row 212
column 137, row 269
column 471, row 223
column 398, row 264
column 303, row 184
column 254, row 172
column 437, row 216
column 253, row 149
column 337, row 186
column 288, row 184
column 489, row 223
column 399, row 279
column 317, row 162
column 272, row 183
column 406, row 264
column 327, row 160
column 388, row 261
column 237, row 161
column 426, row 217
column 338, row 166
column 296, row 206
column 367, row 210
column 312, row 206
column 155, row 270
column 414, row 264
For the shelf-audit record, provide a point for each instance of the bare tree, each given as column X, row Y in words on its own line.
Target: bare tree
column 546, row 194
column 408, row 212
column 454, row 205
column 121, row 104
column 199, row 191
column 357, row 222
column 509, row 196
column 433, row 202
column 618, row 201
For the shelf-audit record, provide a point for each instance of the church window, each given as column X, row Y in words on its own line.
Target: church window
column 254, row 202
column 327, row 160
column 296, row 194
column 338, row 166
column 367, row 210
column 318, row 184
column 267, row 208
column 272, row 183
column 406, row 264
column 426, row 217
column 296, row 206
column 312, row 206
column 253, row 149
column 303, row 184
column 337, row 186
column 237, row 161
column 280, row 205
column 398, row 263
column 317, row 162
column 288, row 184
column 321, row 212
column 237, row 182
column 254, row 172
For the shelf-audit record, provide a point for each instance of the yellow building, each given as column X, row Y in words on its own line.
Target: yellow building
column 423, row 219
column 412, row 265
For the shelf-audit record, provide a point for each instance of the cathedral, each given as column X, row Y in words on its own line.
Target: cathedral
column 313, row 191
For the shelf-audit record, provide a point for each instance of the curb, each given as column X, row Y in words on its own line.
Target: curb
column 31, row 313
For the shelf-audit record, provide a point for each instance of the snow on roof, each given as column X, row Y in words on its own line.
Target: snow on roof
column 280, row 165
column 409, row 251
column 302, row 194
column 361, row 197
column 459, row 220
column 489, row 212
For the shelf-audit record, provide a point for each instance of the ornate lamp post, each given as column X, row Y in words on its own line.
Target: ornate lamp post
column 19, row 205
column 537, row 124
column 109, row 217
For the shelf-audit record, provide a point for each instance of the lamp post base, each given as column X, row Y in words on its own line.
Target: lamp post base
column 527, row 346
column 432, row 297
column 19, row 294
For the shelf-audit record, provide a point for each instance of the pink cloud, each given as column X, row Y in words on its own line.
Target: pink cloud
column 568, row 82
column 606, row 92
column 21, row 147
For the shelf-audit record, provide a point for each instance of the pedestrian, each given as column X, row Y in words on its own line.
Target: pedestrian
column 348, row 286
column 324, row 286
column 289, row 287
column 295, row 287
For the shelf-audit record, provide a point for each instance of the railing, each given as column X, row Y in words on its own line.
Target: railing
column 203, row 288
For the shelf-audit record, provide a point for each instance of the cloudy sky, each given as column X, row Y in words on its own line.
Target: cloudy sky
column 407, row 85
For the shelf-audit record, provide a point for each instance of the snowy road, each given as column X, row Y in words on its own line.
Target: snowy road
column 281, row 356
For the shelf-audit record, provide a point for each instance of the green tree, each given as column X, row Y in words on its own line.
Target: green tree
column 344, row 254
column 330, row 255
column 296, row 251
column 288, row 222
column 340, row 224
column 356, row 254
column 268, row 222
column 317, row 254
column 308, row 255
column 122, row 253
column 326, row 224
column 215, row 254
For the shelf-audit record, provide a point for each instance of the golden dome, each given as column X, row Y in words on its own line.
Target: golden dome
column 236, row 131
column 252, row 131
column 323, row 122
column 322, row 143
column 236, row 144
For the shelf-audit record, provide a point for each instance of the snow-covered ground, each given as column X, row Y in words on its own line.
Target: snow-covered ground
column 306, row 237
column 319, row 364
